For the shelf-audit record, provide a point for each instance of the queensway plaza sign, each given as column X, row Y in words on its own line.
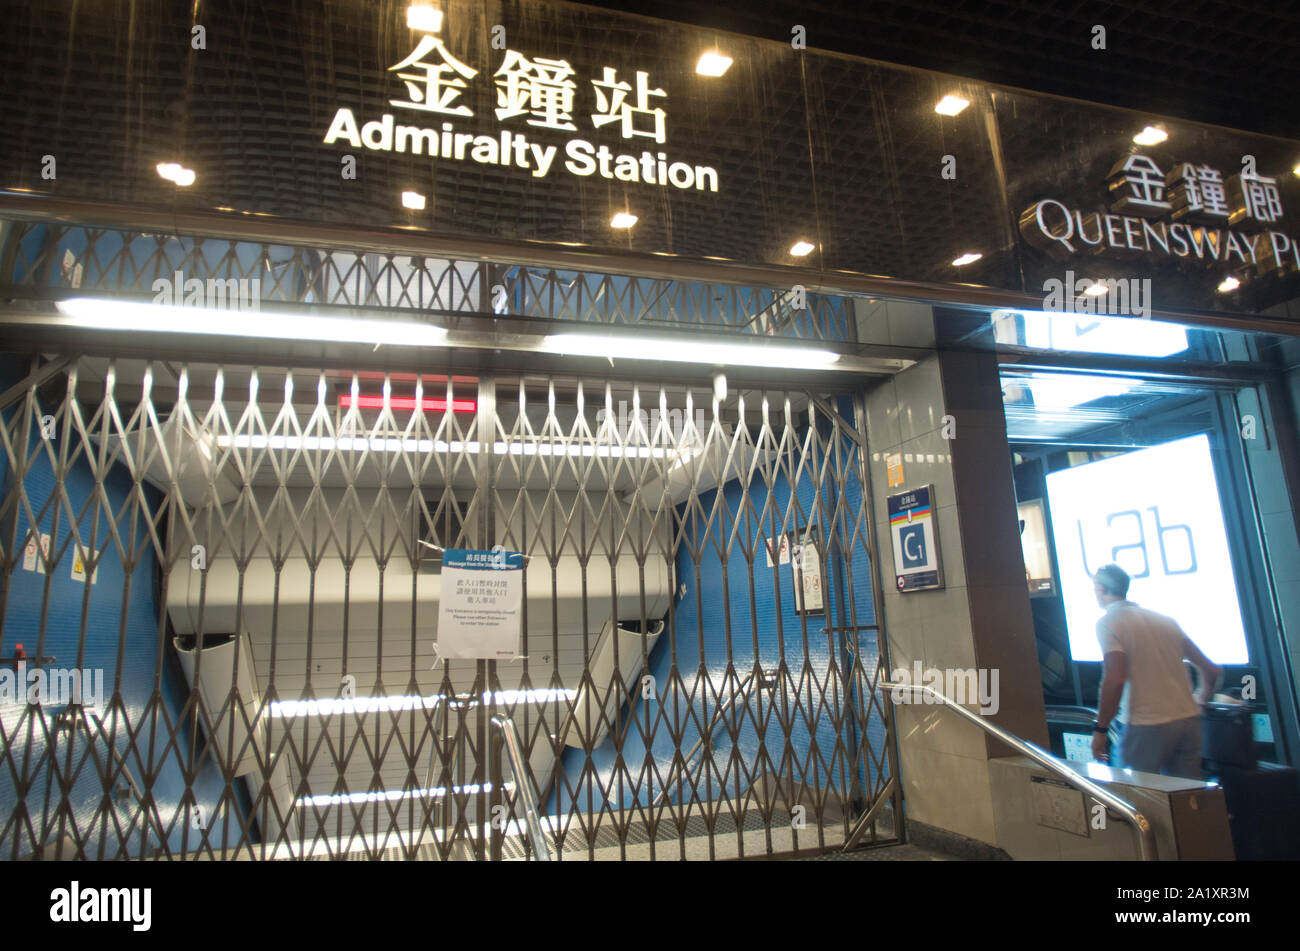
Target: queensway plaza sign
column 1212, row 221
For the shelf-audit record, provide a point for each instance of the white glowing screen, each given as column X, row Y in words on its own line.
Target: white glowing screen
column 1156, row 513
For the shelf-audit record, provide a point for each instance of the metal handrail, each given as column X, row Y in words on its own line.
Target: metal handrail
column 745, row 685
column 523, row 785
column 1146, row 838
column 88, row 717
column 439, row 714
column 451, row 776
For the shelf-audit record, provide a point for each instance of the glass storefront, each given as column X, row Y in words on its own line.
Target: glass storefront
column 1175, row 471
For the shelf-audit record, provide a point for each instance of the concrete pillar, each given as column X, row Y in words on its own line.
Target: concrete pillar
column 981, row 618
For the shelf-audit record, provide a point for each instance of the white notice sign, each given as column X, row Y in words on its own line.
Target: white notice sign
column 479, row 610
column 30, row 553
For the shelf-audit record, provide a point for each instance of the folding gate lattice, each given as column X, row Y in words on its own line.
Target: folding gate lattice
column 228, row 577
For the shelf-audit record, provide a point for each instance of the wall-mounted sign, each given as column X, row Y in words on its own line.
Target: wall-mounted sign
column 806, row 566
column 913, row 526
column 1211, row 220
column 34, row 560
column 894, row 469
column 479, row 607
column 1034, row 544
column 778, row 550
column 541, row 92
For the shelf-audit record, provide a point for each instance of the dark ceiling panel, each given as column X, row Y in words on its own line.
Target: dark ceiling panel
column 1211, row 61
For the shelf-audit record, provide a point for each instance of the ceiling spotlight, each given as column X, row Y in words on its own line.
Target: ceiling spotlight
column 1229, row 284
column 970, row 257
column 801, row 248
column 1096, row 289
column 623, row 220
column 413, row 200
column 423, row 17
column 950, row 105
column 713, row 63
column 176, row 173
column 1151, row 135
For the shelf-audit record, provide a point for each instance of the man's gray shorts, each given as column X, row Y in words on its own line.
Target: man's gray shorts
column 1173, row 749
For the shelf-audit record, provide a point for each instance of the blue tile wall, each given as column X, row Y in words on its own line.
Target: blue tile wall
column 115, row 617
column 713, row 622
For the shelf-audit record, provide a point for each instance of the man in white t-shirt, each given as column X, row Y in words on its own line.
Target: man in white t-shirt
column 1145, row 684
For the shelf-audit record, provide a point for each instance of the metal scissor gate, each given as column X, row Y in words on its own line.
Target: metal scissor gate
column 229, row 578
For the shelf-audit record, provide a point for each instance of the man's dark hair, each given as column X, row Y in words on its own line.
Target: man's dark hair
column 1114, row 579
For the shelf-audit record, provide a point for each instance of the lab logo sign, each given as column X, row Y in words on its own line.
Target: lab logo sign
column 1185, row 211
column 537, row 91
column 914, row 530
column 1156, row 512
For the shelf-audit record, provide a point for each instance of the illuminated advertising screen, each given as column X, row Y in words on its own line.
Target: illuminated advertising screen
column 1033, row 542
column 1156, row 513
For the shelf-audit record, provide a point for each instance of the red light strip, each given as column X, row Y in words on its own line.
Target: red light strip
column 408, row 402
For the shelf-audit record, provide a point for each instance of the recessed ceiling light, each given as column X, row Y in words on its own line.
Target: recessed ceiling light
column 713, row 63
column 623, row 220
column 950, row 105
column 970, row 257
column 1096, row 289
column 801, row 248
column 176, row 173
column 1229, row 284
column 413, row 200
column 424, row 17
column 1151, row 135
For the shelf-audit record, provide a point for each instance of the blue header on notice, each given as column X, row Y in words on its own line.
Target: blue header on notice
column 482, row 560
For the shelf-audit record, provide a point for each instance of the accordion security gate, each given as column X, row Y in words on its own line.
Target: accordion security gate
column 225, row 584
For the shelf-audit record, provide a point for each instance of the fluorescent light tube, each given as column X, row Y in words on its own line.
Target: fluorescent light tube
column 331, row 706
column 679, row 351
column 396, row 795
column 1090, row 333
column 380, row 443
column 106, row 314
